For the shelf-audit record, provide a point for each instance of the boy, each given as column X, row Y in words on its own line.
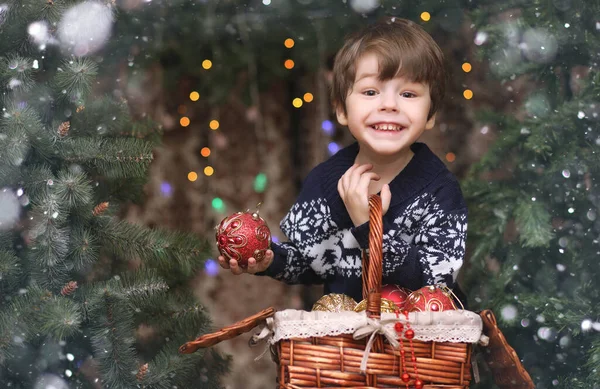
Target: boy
column 389, row 81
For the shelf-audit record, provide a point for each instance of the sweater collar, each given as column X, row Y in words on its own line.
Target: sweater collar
column 420, row 171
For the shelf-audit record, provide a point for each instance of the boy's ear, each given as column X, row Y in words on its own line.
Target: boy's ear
column 430, row 123
column 341, row 115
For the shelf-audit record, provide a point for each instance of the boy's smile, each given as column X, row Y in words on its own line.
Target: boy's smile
column 386, row 117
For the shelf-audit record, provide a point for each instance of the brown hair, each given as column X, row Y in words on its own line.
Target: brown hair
column 403, row 48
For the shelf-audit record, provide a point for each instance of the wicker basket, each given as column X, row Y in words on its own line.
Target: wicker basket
column 339, row 361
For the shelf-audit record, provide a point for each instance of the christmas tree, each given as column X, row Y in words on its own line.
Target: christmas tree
column 533, row 199
column 88, row 301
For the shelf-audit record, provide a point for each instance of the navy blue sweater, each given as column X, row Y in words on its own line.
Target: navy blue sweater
column 424, row 230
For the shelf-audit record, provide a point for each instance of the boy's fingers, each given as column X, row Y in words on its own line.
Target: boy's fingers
column 235, row 268
column 358, row 173
column 363, row 184
column 252, row 267
column 341, row 189
column 223, row 263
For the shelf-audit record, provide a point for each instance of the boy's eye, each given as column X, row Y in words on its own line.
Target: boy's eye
column 370, row 92
column 408, row 94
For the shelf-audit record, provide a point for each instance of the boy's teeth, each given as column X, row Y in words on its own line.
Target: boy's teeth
column 387, row 127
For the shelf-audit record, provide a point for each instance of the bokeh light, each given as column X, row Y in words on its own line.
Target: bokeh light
column 209, row 171
column 260, row 182
column 205, row 152
column 289, row 64
column 166, row 189
column 468, row 94
column 450, row 157
column 192, row 176
column 297, row 102
column 333, row 148
column 184, row 121
column 194, row 96
column 211, row 267
column 327, row 127
column 289, row 43
column 308, row 97
column 218, row 204
column 214, row 124
column 425, row 16
column 466, row 67
column 207, row 64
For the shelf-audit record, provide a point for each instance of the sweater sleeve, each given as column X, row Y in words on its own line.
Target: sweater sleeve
column 425, row 244
column 302, row 259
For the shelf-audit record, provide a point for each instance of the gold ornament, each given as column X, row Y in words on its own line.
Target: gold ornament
column 386, row 306
column 334, row 302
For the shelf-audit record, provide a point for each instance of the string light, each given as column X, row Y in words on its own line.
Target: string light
column 466, row 67
column 205, row 152
column 289, row 64
column 425, row 16
column 207, row 64
column 308, row 97
column 468, row 94
column 184, row 121
column 214, row 124
column 209, row 171
column 450, row 157
column 297, row 102
column 194, row 96
column 289, row 43
column 192, row 176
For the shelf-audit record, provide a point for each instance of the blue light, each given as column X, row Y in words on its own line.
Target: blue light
column 274, row 239
column 166, row 189
column 327, row 127
column 211, row 267
column 333, row 148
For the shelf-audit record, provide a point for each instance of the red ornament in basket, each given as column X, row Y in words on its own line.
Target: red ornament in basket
column 435, row 298
column 395, row 294
column 243, row 235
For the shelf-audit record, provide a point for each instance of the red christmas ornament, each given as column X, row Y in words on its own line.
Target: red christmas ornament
column 410, row 334
column 399, row 327
column 430, row 298
column 405, row 377
column 418, row 384
column 243, row 235
column 395, row 294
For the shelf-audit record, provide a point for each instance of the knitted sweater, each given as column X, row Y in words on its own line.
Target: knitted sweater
column 424, row 229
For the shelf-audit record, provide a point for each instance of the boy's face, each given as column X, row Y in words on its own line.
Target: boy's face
column 385, row 117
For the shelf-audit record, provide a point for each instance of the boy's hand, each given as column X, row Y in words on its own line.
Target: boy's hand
column 353, row 188
column 253, row 266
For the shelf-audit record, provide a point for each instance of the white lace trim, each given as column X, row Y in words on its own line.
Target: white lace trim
column 447, row 326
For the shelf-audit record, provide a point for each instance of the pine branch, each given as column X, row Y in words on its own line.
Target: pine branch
column 118, row 158
column 533, row 222
column 10, row 270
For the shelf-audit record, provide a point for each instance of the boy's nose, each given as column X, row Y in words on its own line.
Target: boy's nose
column 389, row 102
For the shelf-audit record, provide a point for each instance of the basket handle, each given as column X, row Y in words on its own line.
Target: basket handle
column 372, row 264
column 228, row 332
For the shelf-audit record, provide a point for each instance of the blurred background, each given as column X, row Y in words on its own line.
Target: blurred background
column 230, row 100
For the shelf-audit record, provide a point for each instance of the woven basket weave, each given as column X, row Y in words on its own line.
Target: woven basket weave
column 335, row 361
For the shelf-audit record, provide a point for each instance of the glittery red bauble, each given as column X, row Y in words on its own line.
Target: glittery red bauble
column 396, row 294
column 418, row 384
column 430, row 298
column 405, row 377
column 243, row 235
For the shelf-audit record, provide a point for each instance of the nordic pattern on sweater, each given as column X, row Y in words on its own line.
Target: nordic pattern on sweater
column 424, row 229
